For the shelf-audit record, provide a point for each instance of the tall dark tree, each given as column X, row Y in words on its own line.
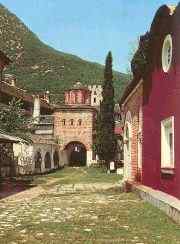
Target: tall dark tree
column 106, row 142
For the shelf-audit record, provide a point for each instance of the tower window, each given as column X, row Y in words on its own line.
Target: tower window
column 71, row 122
column 95, row 100
column 80, row 122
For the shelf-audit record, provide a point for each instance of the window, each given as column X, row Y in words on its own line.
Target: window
column 80, row 122
column 167, row 143
column 167, row 53
column 94, row 100
column 71, row 122
column 127, row 137
column 95, row 93
column 64, row 122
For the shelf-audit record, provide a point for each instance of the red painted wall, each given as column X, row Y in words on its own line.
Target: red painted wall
column 163, row 102
column 78, row 96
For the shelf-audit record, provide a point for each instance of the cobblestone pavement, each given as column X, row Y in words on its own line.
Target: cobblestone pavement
column 97, row 213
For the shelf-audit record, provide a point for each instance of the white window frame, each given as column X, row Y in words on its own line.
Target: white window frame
column 165, row 158
column 166, row 55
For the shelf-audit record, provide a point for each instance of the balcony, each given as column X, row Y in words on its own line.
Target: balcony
column 46, row 120
column 44, row 125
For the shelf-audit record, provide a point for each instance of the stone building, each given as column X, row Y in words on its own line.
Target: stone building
column 43, row 153
column 96, row 94
column 74, row 126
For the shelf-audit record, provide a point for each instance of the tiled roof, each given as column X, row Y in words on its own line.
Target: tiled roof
column 14, row 91
column 7, row 138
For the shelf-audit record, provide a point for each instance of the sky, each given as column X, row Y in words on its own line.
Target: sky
column 89, row 28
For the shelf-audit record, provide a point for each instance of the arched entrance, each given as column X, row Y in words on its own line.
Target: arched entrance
column 38, row 162
column 47, row 160
column 76, row 154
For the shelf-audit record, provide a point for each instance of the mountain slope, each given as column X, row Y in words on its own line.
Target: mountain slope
column 39, row 67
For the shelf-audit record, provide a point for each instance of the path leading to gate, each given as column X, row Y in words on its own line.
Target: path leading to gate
column 82, row 206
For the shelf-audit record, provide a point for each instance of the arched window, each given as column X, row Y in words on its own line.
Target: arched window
column 71, row 122
column 47, row 160
column 38, row 160
column 80, row 122
column 56, row 159
column 95, row 93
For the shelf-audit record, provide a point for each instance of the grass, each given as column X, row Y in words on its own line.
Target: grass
column 86, row 218
column 84, row 175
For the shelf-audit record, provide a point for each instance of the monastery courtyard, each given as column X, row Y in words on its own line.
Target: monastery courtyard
column 75, row 206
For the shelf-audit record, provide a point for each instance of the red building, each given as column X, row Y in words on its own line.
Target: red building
column 78, row 95
column 161, row 124
column 159, row 74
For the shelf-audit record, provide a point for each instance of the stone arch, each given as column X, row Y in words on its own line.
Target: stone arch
column 77, row 153
column 47, row 160
column 38, row 161
column 56, row 158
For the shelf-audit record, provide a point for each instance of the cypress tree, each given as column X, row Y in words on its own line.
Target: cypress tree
column 106, row 142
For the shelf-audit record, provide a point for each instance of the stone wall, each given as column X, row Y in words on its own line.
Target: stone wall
column 37, row 157
column 7, row 162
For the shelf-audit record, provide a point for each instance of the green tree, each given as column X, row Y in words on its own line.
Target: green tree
column 13, row 120
column 105, row 138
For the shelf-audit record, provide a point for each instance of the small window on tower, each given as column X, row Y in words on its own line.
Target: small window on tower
column 71, row 122
column 95, row 93
column 94, row 100
column 80, row 122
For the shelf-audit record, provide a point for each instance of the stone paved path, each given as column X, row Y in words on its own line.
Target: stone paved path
column 82, row 213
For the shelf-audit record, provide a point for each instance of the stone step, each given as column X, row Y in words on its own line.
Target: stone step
column 94, row 187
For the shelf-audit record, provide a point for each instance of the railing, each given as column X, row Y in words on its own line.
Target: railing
column 44, row 125
column 44, row 120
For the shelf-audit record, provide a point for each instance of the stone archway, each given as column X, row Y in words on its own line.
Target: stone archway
column 77, row 154
column 37, row 162
column 47, row 160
